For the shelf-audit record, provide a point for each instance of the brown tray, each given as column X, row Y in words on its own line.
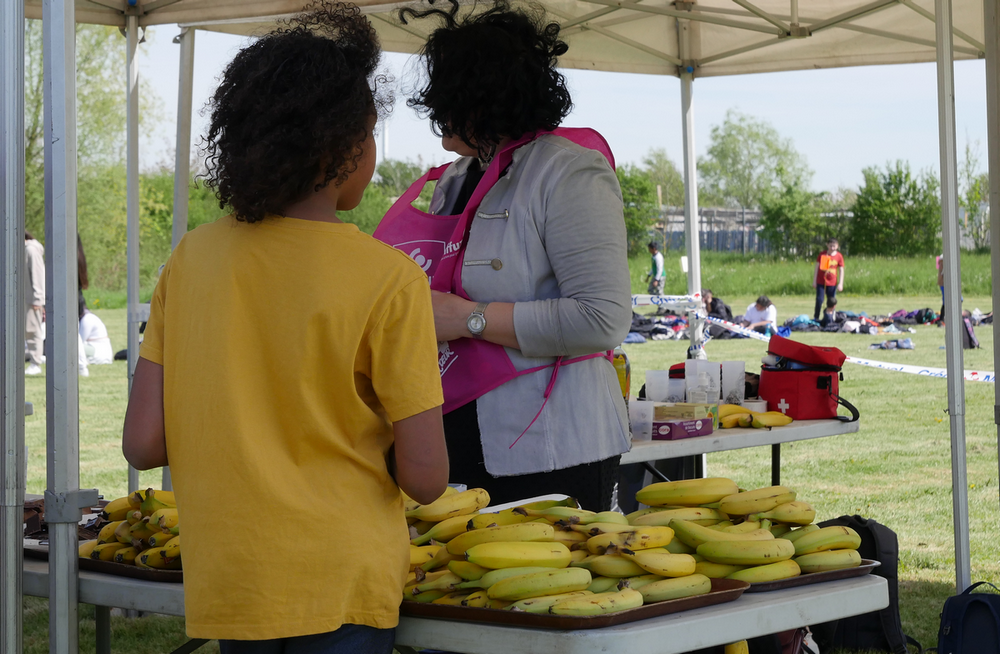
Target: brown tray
column 867, row 565
column 41, row 552
column 723, row 590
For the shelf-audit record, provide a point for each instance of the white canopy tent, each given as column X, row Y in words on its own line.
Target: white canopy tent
column 665, row 37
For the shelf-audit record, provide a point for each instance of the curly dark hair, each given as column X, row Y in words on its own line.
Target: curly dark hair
column 294, row 107
column 492, row 74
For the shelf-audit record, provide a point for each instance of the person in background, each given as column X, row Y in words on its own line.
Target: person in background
column 81, row 266
column 336, row 403
column 828, row 277
column 762, row 316
column 34, row 300
column 830, row 314
column 96, row 344
column 939, row 264
column 656, row 276
column 715, row 307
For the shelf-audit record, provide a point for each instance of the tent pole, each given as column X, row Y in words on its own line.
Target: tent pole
column 695, row 326
column 12, row 476
column 991, row 30
column 132, row 203
column 182, row 160
column 952, row 288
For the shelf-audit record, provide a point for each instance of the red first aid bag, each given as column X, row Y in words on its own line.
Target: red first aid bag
column 804, row 384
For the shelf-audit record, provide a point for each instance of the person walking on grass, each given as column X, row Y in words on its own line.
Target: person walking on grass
column 828, row 277
column 289, row 366
column 34, row 300
column 656, row 275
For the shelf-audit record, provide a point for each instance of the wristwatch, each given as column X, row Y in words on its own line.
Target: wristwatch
column 477, row 320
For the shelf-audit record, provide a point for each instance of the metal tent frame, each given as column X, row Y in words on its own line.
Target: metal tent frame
column 686, row 39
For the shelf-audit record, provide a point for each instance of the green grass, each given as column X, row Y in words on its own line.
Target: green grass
column 897, row 469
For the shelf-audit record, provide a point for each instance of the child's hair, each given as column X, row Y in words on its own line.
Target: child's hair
column 293, row 109
column 831, row 302
column 492, row 74
column 833, row 241
column 653, row 245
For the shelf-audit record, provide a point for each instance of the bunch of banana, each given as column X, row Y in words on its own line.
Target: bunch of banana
column 451, row 505
column 734, row 415
column 143, row 530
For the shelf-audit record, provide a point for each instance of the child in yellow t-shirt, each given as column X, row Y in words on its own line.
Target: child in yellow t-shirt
column 289, row 370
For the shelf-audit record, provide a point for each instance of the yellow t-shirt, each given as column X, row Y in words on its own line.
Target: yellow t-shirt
column 288, row 347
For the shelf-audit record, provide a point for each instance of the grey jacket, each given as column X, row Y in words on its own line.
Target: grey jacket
column 555, row 223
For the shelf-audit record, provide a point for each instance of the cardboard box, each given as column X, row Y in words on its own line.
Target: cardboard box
column 663, row 411
column 671, row 430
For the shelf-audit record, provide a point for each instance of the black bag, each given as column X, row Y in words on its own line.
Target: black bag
column 970, row 623
column 882, row 630
column 969, row 340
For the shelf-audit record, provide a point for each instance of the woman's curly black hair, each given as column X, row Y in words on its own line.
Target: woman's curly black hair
column 491, row 75
column 293, row 108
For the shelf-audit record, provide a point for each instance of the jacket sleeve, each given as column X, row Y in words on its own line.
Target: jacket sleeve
column 584, row 238
column 36, row 274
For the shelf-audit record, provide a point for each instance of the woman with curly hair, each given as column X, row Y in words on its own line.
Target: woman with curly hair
column 532, row 286
column 288, row 362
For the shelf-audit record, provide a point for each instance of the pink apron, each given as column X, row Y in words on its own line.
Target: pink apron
column 469, row 367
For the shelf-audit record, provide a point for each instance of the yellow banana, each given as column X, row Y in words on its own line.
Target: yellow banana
column 598, row 604
column 156, row 500
column 135, row 499
column 448, row 581
column 744, row 420
column 452, row 599
column 495, row 576
column 638, row 538
column 796, row 534
column 542, row 604
column 107, row 533
column 123, row 533
column 664, row 564
column 467, row 571
column 828, row 560
column 733, row 420
column 452, row 505
column 117, row 509
column 154, row 558
column 86, row 547
column 791, row 513
column 687, row 492
column 732, row 409
column 537, row 584
column 445, row 530
column 770, row 419
column 565, row 514
column 598, row 528
column 126, row 555
column 768, row 572
column 106, row 551
column 574, row 540
column 578, row 555
column 421, row 555
column 696, row 514
column 741, row 647
column 677, row 546
column 160, row 539
column 756, row 501
column 173, row 548
column 635, row 583
column 548, row 504
column 610, row 565
column 441, row 559
column 668, row 589
column 747, row 552
column 498, row 604
column 653, row 509
column 164, row 519
column 837, row 537
column 716, row 570
column 525, row 531
column 498, row 519
column 422, row 577
column 743, row 527
column 603, row 584
column 419, row 527
column 612, row 517
column 719, row 526
column 519, row 554
column 694, row 535
column 409, row 503
column 476, row 600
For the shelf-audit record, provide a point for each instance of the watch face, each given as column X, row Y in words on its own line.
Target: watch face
column 476, row 323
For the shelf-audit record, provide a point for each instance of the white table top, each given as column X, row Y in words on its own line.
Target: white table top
column 753, row 614
column 735, row 439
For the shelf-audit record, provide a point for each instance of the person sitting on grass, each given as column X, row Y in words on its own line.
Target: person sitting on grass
column 762, row 316
column 289, row 367
column 830, row 313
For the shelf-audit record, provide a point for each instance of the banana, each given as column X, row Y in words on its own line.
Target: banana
column 410, row 504
column 565, row 514
column 133, row 516
column 740, row 647
column 467, row 571
column 548, row 504
column 537, row 584
column 444, row 531
column 747, row 552
column 638, row 538
column 494, row 576
column 156, row 500
column 697, row 514
column 612, row 517
column 779, row 530
column 677, row 546
column 743, row 527
column 135, row 500
column 719, row 526
column 525, row 531
column 476, row 600
column 574, row 540
column 598, row 528
column 668, row 589
column 448, row 581
column 519, row 554
column 173, row 548
column 733, row 420
column 828, row 560
column 756, row 501
column 635, row 583
column 653, row 509
column 122, row 533
column 598, row 604
column 498, row 604
column 106, row 551
column 498, row 519
column 452, row 505
column 664, row 564
column 694, row 535
column 542, row 604
column 421, row 577
column 428, row 596
column 107, row 533
column 117, row 509
column 770, row 419
column 790, row 513
column 86, row 547
column 687, row 492
column 796, row 534
column 160, row 539
column 769, row 572
column 716, row 570
column 610, row 565
column 163, row 519
column 154, row 558
column 837, row 537
column 576, row 556
column 126, row 555
column 421, row 555
column 451, row 599
column 603, row 584
column 141, row 531
column 441, row 559
column 732, row 409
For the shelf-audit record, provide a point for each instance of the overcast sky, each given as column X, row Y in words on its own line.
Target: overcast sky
column 840, row 120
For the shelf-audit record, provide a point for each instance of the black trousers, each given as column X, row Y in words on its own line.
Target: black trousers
column 591, row 483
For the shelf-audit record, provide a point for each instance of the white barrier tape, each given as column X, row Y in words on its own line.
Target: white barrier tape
column 942, row 373
column 685, row 302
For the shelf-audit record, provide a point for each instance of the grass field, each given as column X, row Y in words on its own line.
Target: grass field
column 897, row 469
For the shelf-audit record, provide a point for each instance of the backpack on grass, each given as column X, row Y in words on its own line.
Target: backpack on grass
column 969, row 340
column 970, row 623
column 880, row 631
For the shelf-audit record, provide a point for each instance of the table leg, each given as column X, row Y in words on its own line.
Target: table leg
column 403, row 649
column 776, row 464
column 653, row 471
column 190, row 646
column 102, row 615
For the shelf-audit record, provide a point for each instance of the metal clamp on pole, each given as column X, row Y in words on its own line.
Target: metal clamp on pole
column 67, row 507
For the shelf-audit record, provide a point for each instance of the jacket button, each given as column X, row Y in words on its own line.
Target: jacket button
column 496, row 264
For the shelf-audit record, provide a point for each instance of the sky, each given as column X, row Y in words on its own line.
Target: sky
column 841, row 120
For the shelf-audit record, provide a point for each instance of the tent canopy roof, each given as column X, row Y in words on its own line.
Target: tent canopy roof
column 725, row 37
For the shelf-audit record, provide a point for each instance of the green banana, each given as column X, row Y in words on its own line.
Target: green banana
column 598, row 604
column 156, row 500
column 537, row 584
column 716, row 570
column 603, row 584
column 747, row 552
column 828, row 560
column 668, row 589
column 836, row 537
